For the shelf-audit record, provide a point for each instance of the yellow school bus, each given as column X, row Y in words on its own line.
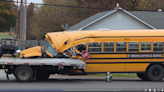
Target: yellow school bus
column 115, row 51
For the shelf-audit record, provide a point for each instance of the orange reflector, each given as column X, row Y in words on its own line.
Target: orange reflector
column 60, row 64
column 9, row 63
column 42, row 63
column 26, row 63
column 73, row 64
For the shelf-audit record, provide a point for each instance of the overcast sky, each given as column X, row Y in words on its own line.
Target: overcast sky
column 34, row 1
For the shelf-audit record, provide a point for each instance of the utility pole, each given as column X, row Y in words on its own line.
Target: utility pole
column 25, row 19
column 21, row 20
column 17, row 23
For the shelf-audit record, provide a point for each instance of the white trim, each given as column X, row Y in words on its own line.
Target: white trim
column 97, row 20
column 138, row 19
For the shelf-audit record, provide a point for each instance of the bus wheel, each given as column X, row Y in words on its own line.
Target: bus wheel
column 142, row 76
column 42, row 75
column 155, row 73
column 23, row 73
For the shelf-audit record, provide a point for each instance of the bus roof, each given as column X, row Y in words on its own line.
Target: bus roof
column 61, row 41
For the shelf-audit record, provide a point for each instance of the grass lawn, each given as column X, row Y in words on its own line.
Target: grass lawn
column 123, row 75
column 4, row 36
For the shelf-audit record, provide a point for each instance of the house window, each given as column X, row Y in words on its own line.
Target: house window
column 133, row 46
column 108, row 46
column 121, row 47
column 145, row 46
column 158, row 46
column 94, row 47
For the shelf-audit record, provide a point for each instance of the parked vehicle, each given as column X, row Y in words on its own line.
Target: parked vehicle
column 1, row 53
column 8, row 46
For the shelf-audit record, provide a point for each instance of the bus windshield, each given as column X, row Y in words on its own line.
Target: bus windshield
column 51, row 49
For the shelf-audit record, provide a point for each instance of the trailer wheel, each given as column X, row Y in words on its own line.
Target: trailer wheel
column 142, row 76
column 42, row 75
column 155, row 73
column 24, row 74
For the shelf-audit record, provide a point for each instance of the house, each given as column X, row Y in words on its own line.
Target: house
column 120, row 19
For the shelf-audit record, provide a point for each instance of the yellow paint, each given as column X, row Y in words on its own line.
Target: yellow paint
column 31, row 52
column 115, row 67
column 79, row 37
column 49, row 54
column 124, row 60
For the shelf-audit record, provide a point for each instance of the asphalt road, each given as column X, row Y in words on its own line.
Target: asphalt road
column 65, row 83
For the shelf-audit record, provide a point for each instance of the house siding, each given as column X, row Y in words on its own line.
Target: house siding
column 117, row 21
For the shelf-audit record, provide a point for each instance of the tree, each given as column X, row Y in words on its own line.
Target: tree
column 30, row 13
column 46, row 19
column 7, row 16
column 150, row 4
column 50, row 18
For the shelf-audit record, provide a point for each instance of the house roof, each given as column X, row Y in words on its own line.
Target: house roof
column 153, row 19
column 89, row 20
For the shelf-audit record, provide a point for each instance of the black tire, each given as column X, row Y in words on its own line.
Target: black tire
column 23, row 74
column 143, row 76
column 42, row 75
column 155, row 73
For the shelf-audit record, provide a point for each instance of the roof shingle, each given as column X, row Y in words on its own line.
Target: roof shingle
column 88, row 20
column 153, row 18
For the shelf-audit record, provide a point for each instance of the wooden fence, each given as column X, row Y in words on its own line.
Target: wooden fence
column 24, row 44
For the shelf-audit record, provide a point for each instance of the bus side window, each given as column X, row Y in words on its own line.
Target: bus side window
column 145, row 46
column 94, row 47
column 108, row 46
column 81, row 47
column 121, row 47
column 158, row 46
column 133, row 46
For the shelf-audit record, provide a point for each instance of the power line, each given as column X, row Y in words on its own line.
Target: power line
column 64, row 6
column 72, row 6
